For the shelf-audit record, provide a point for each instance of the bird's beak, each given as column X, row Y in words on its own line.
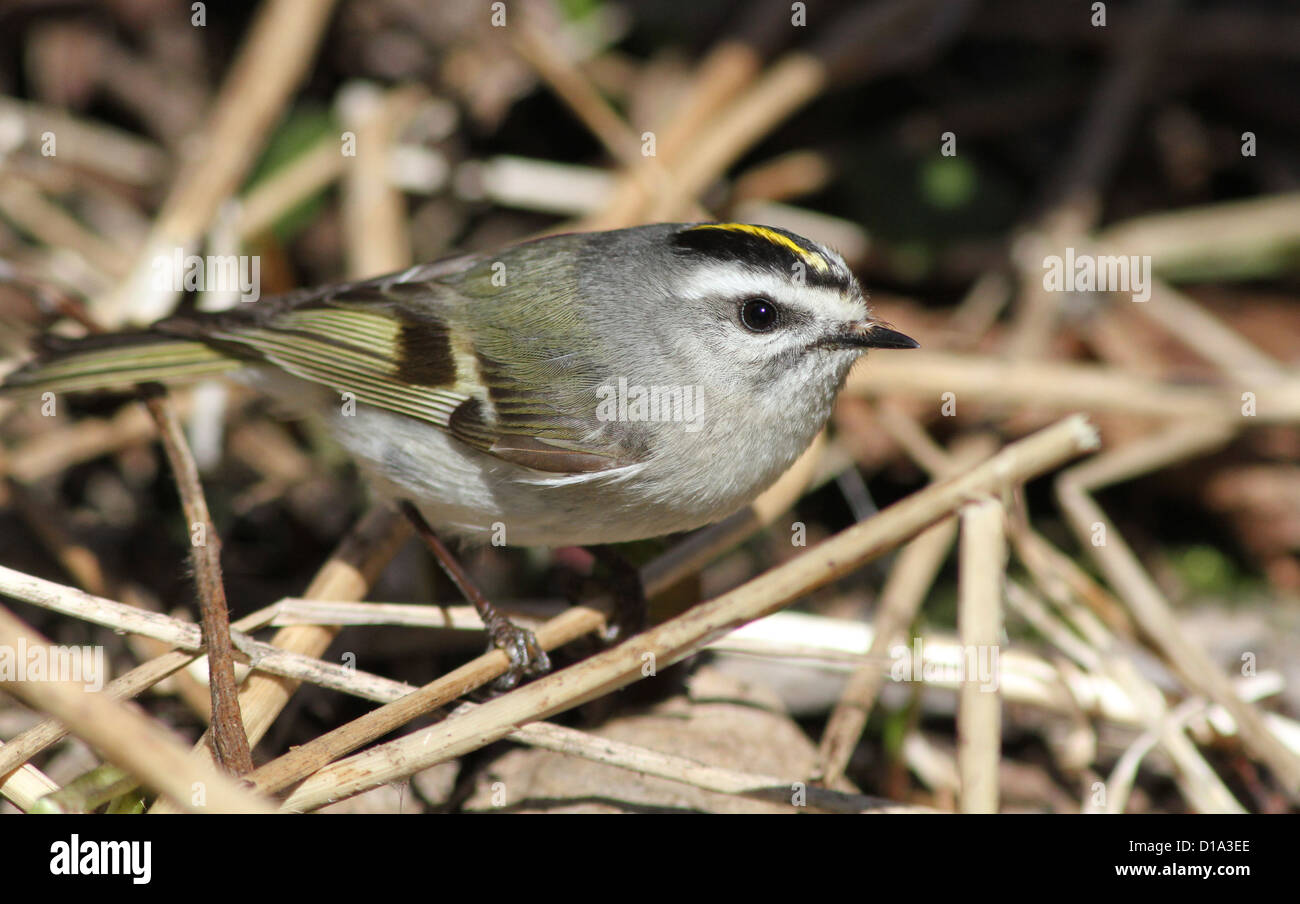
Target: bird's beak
column 870, row 334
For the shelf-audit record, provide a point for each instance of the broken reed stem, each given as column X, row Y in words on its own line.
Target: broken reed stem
column 1053, row 627
column 1085, row 172
column 89, row 144
column 127, row 737
column 1210, row 338
column 1225, row 231
column 25, row 204
column 983, row 554
column 296, row 611
column 1082, row 601
column 1196, row 779
column 685, row 634
column 312, row 171
column 1119, row 784
column 24, row 786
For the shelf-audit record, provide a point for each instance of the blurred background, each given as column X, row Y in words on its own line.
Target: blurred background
column 949, row 149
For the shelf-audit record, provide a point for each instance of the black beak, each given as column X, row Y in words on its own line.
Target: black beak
column 871, row 334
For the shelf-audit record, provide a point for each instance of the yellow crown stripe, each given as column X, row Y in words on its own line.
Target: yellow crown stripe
column 813, row 259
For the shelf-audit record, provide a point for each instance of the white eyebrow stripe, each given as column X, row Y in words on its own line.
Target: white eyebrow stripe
column 739, row 280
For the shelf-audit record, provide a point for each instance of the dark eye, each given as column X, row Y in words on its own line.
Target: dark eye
column 759, row 315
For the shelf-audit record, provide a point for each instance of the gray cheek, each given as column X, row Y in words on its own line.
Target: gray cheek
column 782, row 370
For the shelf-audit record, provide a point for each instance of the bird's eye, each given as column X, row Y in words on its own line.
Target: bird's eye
column 759, row 315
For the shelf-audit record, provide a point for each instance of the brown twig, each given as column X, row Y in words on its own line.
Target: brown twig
column 229, row 742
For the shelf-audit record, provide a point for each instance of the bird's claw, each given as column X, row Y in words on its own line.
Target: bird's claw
column 527, row 658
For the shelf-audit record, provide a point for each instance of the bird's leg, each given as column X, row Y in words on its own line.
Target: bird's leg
column 630, row 610
column 527, row 658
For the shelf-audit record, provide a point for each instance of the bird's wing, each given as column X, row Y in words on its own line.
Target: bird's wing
column 518, row 388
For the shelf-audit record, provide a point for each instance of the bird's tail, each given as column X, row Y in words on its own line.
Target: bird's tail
column 115, row 360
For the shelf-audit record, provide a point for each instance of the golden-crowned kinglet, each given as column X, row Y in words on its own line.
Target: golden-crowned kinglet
column 577, row 389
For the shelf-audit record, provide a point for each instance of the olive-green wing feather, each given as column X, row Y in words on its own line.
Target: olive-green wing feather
column 357, row 340
column 446, row 348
